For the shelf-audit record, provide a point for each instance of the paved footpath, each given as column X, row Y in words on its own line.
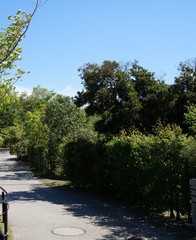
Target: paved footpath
column 38, row 212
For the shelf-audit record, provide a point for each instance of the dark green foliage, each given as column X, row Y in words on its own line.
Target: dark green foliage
column 79, row 160
column 36, row 158
column 109, row 92
column 155, row 96
column 103, row 169
column 123, row 152
column 171, row 175
column 126, row 97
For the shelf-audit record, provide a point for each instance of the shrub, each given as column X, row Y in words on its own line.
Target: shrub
column 79, row 156
column 36, row 158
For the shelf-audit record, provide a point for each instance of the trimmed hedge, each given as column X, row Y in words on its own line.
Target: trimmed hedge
column 151, row 171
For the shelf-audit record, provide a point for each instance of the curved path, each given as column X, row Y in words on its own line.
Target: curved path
column 35, row 210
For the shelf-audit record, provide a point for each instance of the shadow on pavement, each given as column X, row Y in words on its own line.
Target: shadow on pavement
column 96, row 211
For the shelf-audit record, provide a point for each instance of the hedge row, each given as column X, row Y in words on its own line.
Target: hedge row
column 151, row 171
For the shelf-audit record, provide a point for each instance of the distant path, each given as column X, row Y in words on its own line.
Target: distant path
column 35, row 210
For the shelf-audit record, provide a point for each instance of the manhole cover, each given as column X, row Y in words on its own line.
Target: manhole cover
column 68, row 231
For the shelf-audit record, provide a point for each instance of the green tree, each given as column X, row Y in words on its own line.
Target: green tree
column 8, row 106
column 190, row 118
column 126, row 97
column 36, row 133
column 62, row 118
column 109, row 92
column 155, row 97
column 185, row 90
column 38, row 99
column 30, row 116
column 11, row 135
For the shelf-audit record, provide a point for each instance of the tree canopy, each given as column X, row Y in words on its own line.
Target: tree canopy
column 126, row 97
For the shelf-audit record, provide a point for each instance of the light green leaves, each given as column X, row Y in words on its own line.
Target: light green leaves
column 190, row 118
column 10, row 51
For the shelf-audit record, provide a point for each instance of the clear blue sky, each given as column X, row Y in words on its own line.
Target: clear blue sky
column 66, row 34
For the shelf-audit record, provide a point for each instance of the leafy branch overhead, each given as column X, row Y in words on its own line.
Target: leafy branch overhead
column 10, row 38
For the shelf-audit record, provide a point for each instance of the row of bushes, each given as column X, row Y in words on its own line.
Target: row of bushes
column 151, row 171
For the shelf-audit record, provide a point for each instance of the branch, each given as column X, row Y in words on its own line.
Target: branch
column 40, row 5
column 15, row 43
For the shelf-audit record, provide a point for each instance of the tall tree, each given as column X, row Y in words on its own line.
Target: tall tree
column 126, row 97
column 109, row 92
column 62, row 117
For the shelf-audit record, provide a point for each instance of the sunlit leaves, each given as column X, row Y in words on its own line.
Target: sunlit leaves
column 190, row 118
column 10, row 51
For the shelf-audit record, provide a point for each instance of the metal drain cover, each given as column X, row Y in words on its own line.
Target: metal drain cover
column 68, row 231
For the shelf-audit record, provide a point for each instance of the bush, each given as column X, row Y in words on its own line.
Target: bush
column 103, row 170
column 79, row 156
column 171, row 176
column 36, row 158
column 20, row 149
column 1, row 141
column 123, row 154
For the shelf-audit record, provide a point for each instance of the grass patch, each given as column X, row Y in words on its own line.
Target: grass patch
column 10, row 235
column 54, row 183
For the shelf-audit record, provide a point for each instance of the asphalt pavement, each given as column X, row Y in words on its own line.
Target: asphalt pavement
column 39, row 212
